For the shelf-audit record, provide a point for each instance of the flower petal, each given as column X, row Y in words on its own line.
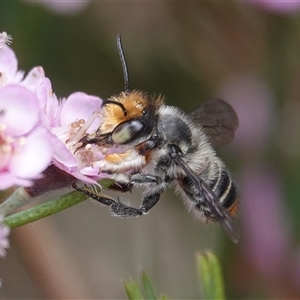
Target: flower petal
column 34, row 156
column 8, row 63
column 19, row 109
column 34, row 78
column 49, row 104
column 62, row 155
column 6, row 180
column 80, row 106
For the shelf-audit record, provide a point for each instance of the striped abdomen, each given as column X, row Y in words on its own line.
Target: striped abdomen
column 225, row 190
column 221, row 186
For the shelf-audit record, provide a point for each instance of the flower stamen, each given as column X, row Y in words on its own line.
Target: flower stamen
column 83, row 128
column 5, row 39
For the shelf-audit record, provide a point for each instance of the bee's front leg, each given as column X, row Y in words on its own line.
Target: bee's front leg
column 146, row 147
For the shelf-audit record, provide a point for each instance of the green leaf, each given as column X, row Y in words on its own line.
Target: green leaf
column 133, row 290
column 163, row 297
column 210, row 274
column 147, row 287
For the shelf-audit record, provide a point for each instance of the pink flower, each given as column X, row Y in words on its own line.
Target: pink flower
column 266, row 230
column 278, row 6
column 25, row 148
column 4, row 243
column 50, row 131
column 254, row 103
column 69, row 120
column 10, row 74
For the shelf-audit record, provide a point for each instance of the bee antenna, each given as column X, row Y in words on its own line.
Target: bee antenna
column 108, row 101
column 124, row 64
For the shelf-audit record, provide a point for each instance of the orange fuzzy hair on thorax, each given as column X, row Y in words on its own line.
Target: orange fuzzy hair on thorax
column 135, row 103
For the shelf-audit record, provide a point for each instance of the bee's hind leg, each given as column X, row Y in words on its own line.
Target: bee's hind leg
column 120, row 209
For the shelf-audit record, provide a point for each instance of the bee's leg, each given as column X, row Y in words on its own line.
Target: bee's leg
column 144, row 179
column 149, row 201
column 136, row 179
column 85, row 190
column 146, row 147
column 120, row 209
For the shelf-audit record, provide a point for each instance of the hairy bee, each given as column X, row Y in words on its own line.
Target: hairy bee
column 160, row 145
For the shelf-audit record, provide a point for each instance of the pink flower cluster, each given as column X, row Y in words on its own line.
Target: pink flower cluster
column 37, row 129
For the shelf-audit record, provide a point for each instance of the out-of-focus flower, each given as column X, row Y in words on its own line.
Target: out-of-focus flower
column 252, row 100
column 279, row 7
column 4, row 243
column 266, row 232
column 63, row 7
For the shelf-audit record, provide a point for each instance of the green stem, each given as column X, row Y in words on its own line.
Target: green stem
column 44, row 210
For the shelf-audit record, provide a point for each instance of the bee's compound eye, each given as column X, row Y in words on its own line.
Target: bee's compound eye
column 127, row 131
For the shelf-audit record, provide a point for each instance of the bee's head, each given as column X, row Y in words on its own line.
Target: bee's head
column 129, row 117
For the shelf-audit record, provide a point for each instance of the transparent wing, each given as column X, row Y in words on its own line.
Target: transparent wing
column 219, row 212
column 218, row 119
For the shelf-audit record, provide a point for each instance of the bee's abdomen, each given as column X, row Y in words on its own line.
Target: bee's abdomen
column 226, row 191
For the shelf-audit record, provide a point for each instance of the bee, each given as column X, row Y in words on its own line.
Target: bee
column 159, row 146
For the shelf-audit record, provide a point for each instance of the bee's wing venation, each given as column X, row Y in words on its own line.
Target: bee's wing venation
column 218, row 119
column 220, row 213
